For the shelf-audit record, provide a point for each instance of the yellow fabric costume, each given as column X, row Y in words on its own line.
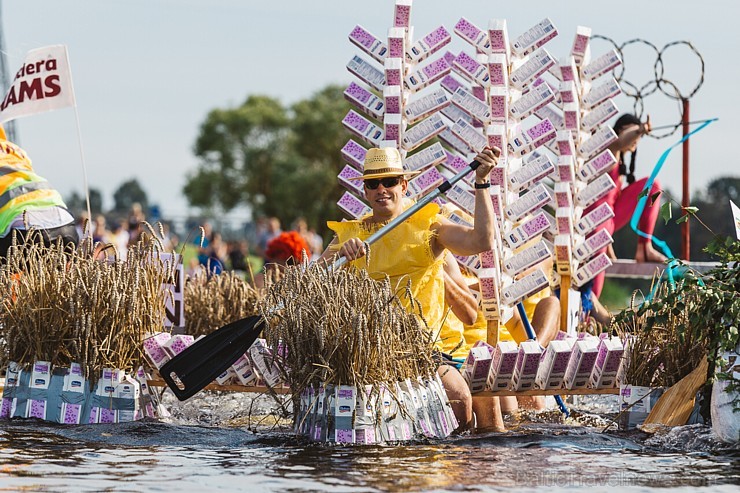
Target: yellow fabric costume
column 510, row 331
column 405, row 254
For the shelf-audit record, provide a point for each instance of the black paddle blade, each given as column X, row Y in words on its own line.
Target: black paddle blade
column 193, row 369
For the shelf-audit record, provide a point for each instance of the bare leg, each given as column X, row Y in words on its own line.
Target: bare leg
column 546, row 320
column 509, row 404
column 647, row 253
column 459, row 395
column 488, row 414
column 599, row 312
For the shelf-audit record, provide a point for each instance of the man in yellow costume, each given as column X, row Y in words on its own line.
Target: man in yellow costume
column 416, row 249
column 27, row 201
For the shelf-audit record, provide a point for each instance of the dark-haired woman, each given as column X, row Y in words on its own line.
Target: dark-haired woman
column 624, row 199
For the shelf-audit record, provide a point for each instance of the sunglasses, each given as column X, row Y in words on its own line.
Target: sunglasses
column 374, row 183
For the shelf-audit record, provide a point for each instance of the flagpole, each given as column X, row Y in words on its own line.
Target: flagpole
column 88, row 226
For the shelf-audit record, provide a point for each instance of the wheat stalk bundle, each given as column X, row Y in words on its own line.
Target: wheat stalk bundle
column 661, row 351
column 72, row 306
column 214, row 301
column 339, row 326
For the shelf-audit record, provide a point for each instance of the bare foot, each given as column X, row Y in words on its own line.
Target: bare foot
column 646, row 253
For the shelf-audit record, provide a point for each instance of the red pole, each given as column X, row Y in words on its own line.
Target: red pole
column 685, row 201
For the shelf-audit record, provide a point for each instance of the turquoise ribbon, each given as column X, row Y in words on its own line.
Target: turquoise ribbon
column 643, row 200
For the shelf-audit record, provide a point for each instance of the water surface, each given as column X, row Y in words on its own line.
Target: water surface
column 213, row 443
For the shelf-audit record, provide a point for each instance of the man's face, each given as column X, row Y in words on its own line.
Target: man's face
column 385, row 195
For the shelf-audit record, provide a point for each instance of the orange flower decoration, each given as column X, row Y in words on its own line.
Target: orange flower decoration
column 286, row 246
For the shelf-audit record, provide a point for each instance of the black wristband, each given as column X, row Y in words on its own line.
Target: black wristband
column 479, row 186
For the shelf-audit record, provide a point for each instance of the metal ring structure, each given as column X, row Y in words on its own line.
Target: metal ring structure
column 659, row 83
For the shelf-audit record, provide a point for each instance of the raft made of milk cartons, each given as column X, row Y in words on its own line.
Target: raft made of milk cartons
column 64, row 395
column 402, row 411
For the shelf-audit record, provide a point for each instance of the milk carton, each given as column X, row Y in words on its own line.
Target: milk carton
column 553, row 365
column 581, row 363
column 604, row 374
column 12, row 377
column 365, row 429
column 502, row 365
column 177, row 344
column 40, row 379
column 149, row 401
column 102, row 409
column 527, row 364
column 128, row 394
column 74, row 382
column 243, row 371
column 344, row 406
column 478, row 366
column 154, row 351
column 636, row 403
column 262, row 357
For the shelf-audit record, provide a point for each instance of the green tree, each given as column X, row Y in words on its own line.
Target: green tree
column 77, row 203
column 279, row 161
column 127, row 194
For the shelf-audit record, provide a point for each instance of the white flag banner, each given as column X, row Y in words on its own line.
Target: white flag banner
column 43, row 83
column 736, row 218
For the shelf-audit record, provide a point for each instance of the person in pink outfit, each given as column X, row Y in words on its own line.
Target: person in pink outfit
column 629, row 130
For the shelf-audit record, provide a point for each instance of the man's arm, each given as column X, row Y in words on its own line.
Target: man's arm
column 457, row 294
column 463, row 240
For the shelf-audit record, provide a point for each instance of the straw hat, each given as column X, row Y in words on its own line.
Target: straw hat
column 380, row 163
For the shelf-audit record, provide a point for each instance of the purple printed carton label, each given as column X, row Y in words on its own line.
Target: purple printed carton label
column 469, row 31
column 497, row 74
column 393, row 105
column 613, row 361
column 355, row 151
column 455, row 162
column 363, row 37
column 436, row 68
column 488, row 288
column 358, row 93
column 437, row 37
column 450, row 84
column 560, row 364
column 495, row 140
column 497, row 40
column 498, row 107
column 41, row 367
column 72, row 413
column 393, row 77
column 344, row 436
column 402, row 16
column 37, row 409
column 5, row 408
column 429, row 178
column 487, row 259
column 587, row 363
column 395, row 48
column 580, row 44
column 355, row 121
column 466, row 63
column 481, row 370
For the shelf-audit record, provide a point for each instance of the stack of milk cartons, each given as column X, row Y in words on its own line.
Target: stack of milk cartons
column 477, row 366
column 75, row 393
column 394, row 104
column 154, row 348
column 584, row 160
column 102, row 408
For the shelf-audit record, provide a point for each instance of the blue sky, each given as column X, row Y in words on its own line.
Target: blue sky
column 146, row 73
